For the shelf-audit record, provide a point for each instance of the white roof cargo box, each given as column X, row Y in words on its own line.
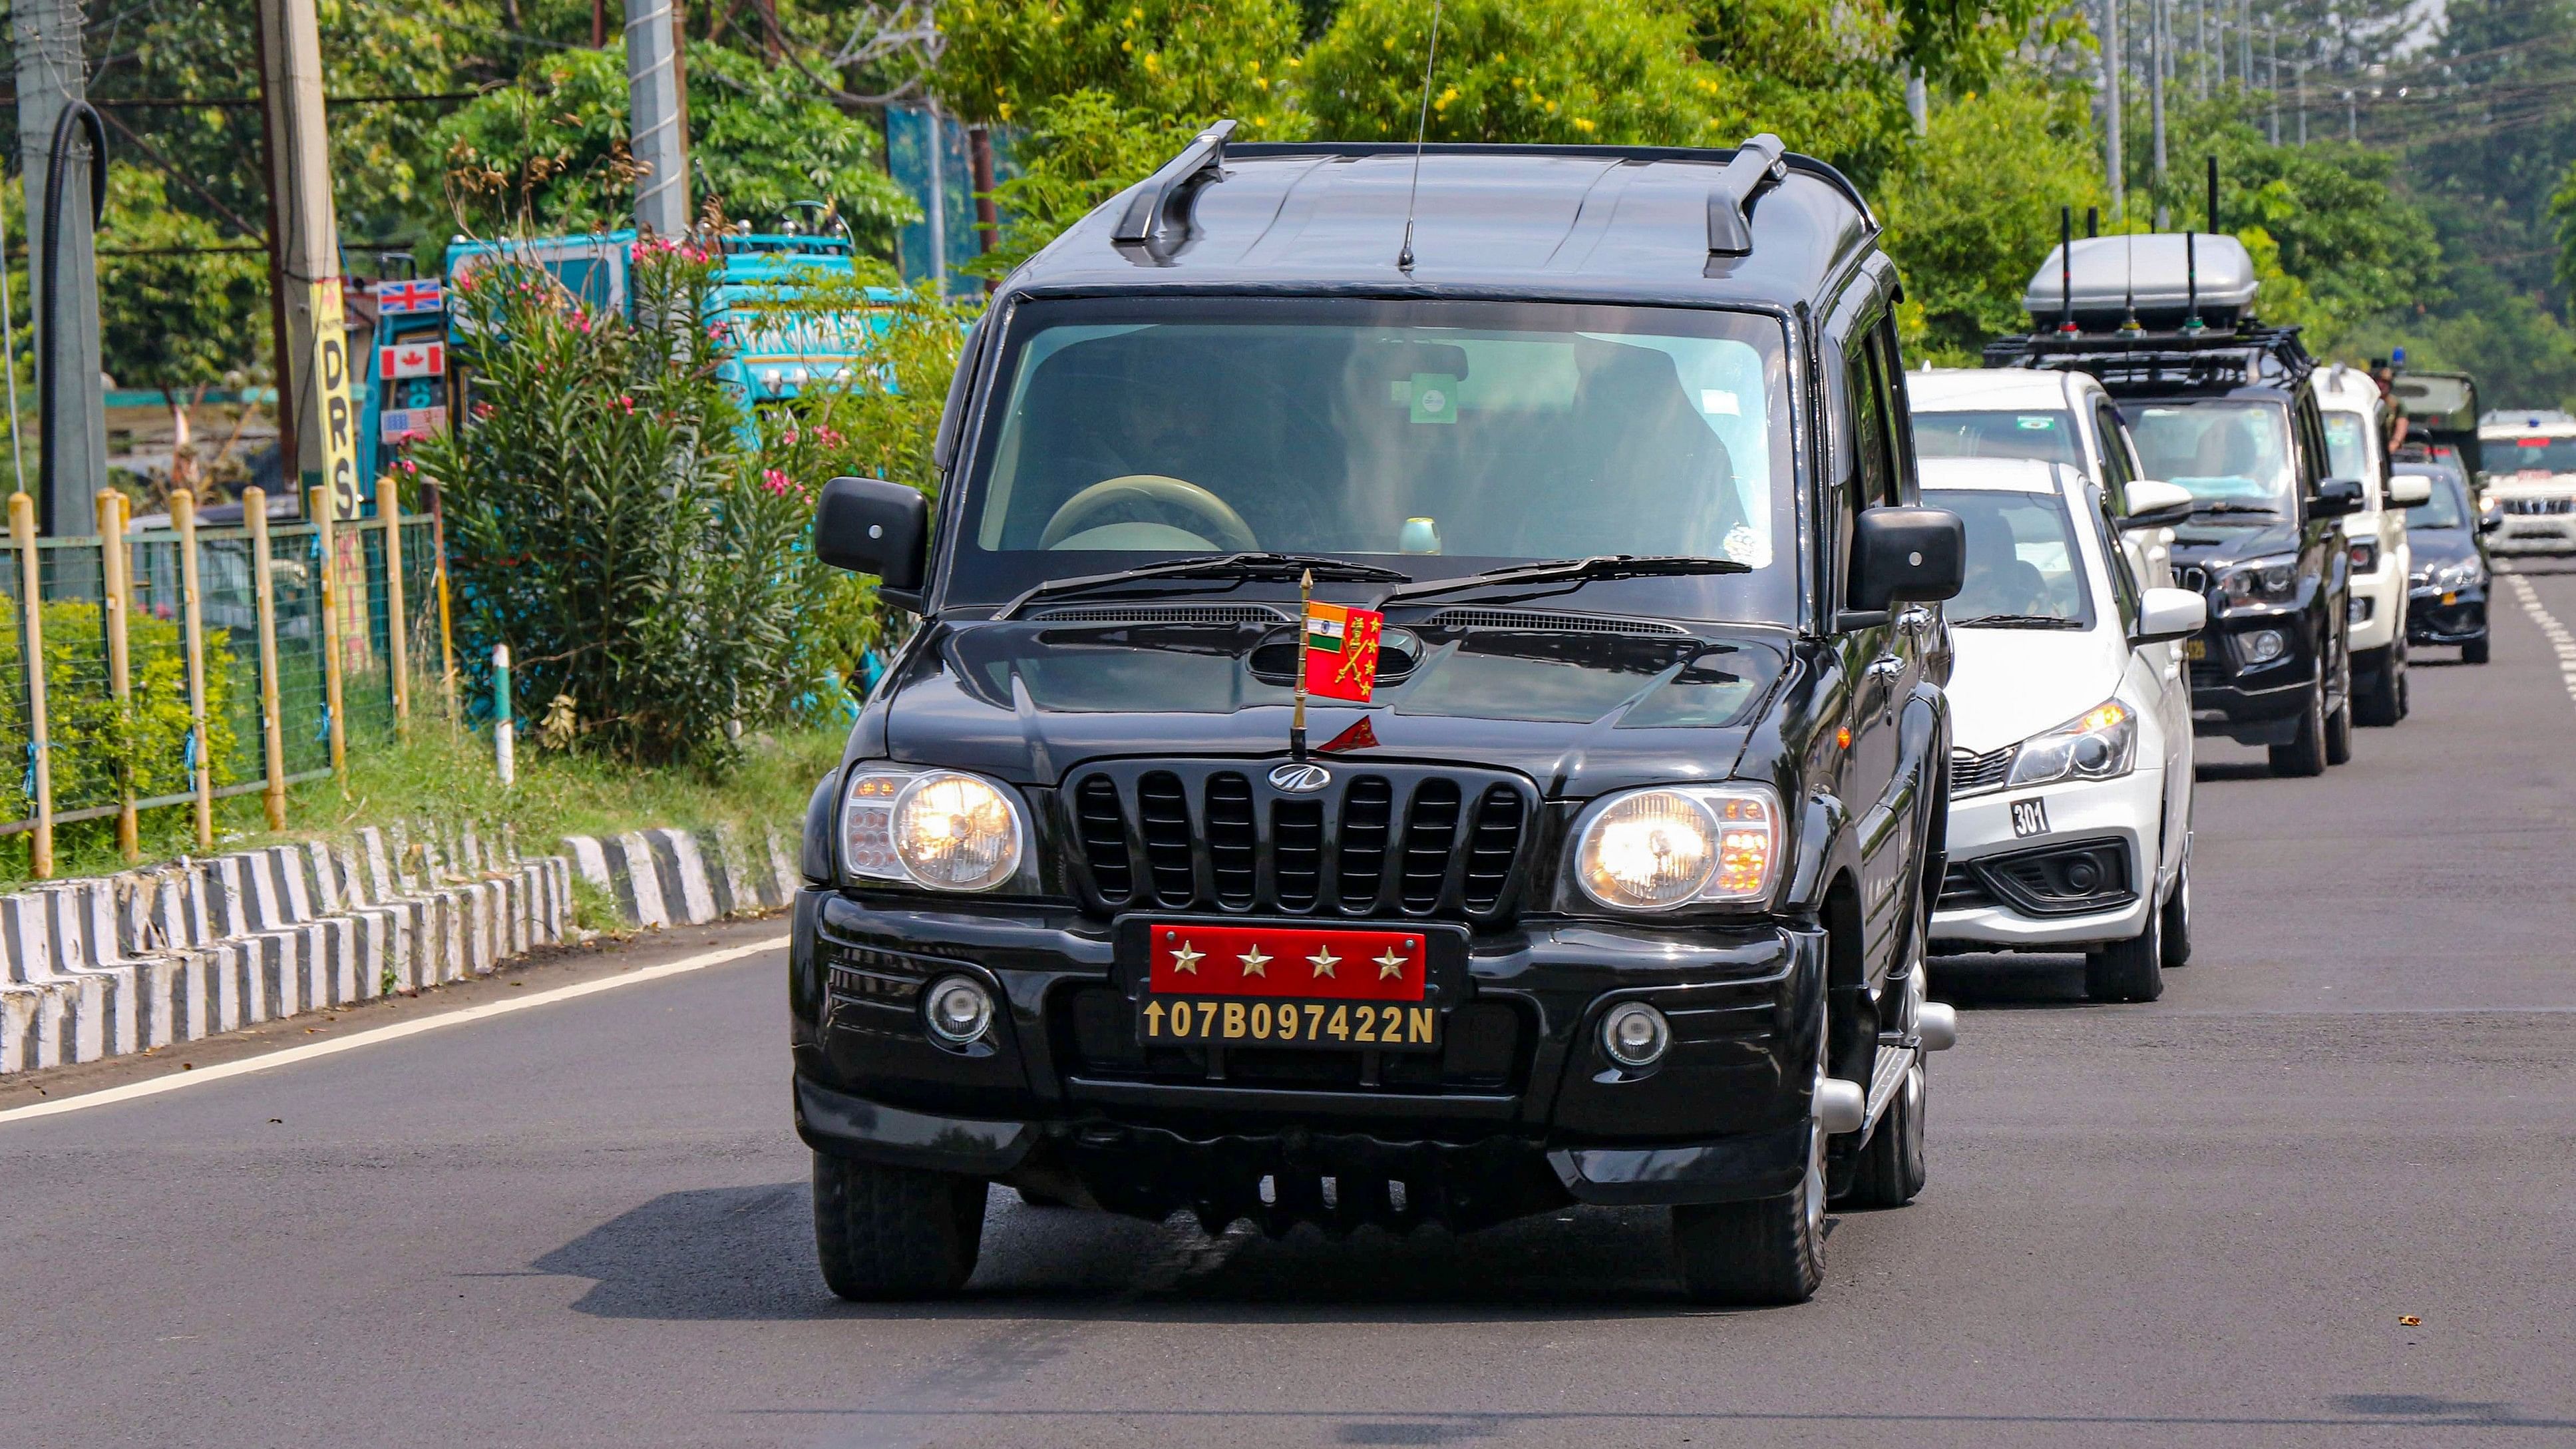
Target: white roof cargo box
column 2110, row 271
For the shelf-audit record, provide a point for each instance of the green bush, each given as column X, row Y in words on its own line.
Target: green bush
column 92, row 737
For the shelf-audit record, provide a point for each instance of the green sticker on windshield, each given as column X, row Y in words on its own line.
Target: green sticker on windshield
column 2038, row 424
column 1434, row 397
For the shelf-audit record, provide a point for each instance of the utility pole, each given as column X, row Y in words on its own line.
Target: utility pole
column 2272, row 72
column 2245, row 45
column 2200, row 70
column 2114, row 158
column 307, row 248
column 658, row 118
column 2159, row 46
column 2351, row 117
column 52, row 78
column 2299, row 71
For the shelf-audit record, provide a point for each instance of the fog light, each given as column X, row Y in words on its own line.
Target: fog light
column 2263, row 646
column 1635, row 1034
column 958, row 1009
column 2082, row 875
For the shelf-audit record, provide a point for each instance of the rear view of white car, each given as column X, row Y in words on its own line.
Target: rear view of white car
column 2375, row 535
column 2071, row 771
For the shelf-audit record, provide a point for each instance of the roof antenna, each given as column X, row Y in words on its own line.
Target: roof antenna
column 2129, row 285
column 2066, row 271
column 1421, row 123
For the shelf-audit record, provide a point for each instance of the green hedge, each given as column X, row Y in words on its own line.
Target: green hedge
column 92, row 735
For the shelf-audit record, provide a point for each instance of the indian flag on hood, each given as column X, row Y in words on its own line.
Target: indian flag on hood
column 1341, row 651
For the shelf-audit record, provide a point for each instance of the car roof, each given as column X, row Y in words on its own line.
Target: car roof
column 2560, row 426
column 1996, row 475
column 2342, row 387
column 1604, row 223
column 1968, row 389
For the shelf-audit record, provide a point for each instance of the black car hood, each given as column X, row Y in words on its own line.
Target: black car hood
column 1575, row 711
column 2205, row 541
column 2435, row 546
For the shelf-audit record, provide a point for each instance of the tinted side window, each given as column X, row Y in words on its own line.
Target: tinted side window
column 2115, row 560
column 2119, row 470
column 1875, row 439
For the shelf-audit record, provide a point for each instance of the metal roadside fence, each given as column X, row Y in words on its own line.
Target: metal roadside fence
column 178, row 665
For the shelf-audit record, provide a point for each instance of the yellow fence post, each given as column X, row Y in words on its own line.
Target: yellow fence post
column 255, row 510
column 183, row 514
column 330, row 547
column 120, row 680
column 438, row 578
column 397, row 623
column 22, row 528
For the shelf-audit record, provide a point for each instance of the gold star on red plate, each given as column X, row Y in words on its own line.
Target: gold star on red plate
column 1389, row 964
column 1324, row 961
column 1253, row 961
column 1186, row 959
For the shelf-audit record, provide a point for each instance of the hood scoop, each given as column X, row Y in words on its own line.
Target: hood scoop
column 1148, row 614
column 1544, row 621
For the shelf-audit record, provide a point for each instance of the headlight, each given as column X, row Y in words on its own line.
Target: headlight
column 2263, row 581
column 2365, row 555
column 2099, row 744
column 1653, row 850
column 2466, row 574
column 938, row 828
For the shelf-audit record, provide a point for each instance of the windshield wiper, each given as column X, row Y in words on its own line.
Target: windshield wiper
column 1240, row 567
column 2018, row 621
column 2222, row 506
column 1575, row 571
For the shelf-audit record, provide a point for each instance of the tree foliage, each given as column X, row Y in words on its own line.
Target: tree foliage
column 1565, row 71
column 1200, row 59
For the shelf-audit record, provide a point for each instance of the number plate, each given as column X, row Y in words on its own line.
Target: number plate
column 2195, row 649
column 2030, row 817
column 1386, row 1026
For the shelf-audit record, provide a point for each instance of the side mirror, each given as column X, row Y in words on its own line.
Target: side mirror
column 2156, row 505
column 2336, row 498
column 2169, row 614
column 2405, row 490
column 1903, row 555
column 2490, row 522
column 870, row 526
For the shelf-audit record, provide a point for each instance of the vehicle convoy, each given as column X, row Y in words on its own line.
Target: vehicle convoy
column 2070, row 782
column 1573, row 842
column 2447, row 602
column 2531, row 480
column 2219, row 405
column 2441, row 410
column 2356, row 422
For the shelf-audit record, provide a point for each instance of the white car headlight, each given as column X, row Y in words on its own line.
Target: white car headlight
column 941, row 829
column 2099, row 744
column 1653, row 850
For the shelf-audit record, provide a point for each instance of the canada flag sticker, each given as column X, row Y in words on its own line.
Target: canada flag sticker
column 411, row 359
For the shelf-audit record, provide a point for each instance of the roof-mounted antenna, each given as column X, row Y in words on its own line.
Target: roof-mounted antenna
column 2211, row 215
column 2092, row 222
column 2066, row 271
column 2191, row 283
column 2129, row 284
column 1421, row 124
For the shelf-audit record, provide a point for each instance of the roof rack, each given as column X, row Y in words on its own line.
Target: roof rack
column 1758, row 166
column 1793, row 161
column 2203, row 359
column 1162, row 202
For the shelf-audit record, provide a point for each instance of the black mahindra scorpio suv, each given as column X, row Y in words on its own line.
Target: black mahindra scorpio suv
column 1613, row 890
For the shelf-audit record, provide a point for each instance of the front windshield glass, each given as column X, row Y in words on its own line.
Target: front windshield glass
column 1436, row 438
column 2044, row 435
column 2022, row 558
column 2220, row 452
column 2531, row 455
column 2347, row 456
column 2442, row 510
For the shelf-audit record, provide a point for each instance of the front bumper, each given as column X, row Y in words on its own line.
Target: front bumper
column 2376, row 606
column 2251, row 703
column 2453, row 617
column 1980, row 910
column 1518, row 1111
column 2534, row 533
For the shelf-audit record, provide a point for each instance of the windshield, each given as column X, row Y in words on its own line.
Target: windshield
column 2046, row 436
column 2219, row 452
column 2347, row 456
column 2443, row 509
column 2531, row 455
column 2022, row 558
column 1437, row 438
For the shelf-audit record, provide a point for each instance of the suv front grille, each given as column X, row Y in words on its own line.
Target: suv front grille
column 1387, row 840
column 2538, row 507
column 1976, row 774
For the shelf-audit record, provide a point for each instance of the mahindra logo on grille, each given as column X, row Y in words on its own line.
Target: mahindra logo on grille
column 1301, row 779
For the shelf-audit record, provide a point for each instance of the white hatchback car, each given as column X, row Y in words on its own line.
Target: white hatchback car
column 2071, row 764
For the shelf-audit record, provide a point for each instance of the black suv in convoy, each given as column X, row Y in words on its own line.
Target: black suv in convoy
column 2219, row 405
column 1610, row 888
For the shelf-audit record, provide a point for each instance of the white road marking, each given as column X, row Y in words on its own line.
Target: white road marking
column 157, row 1085
column 2560, row 640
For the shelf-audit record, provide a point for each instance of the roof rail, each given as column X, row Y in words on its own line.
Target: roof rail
column 1758, row 166
column 1162, row 201
column 2250, row 354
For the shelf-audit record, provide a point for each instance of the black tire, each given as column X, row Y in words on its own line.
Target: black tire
column 2131, row 970
column 2177, row 920
column 1891, row 1170
column 2475, row 651
column 1755, row 1254
column 2339, row 723
column 895, row 1232
column 2305, row 755
column 2384, row 702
